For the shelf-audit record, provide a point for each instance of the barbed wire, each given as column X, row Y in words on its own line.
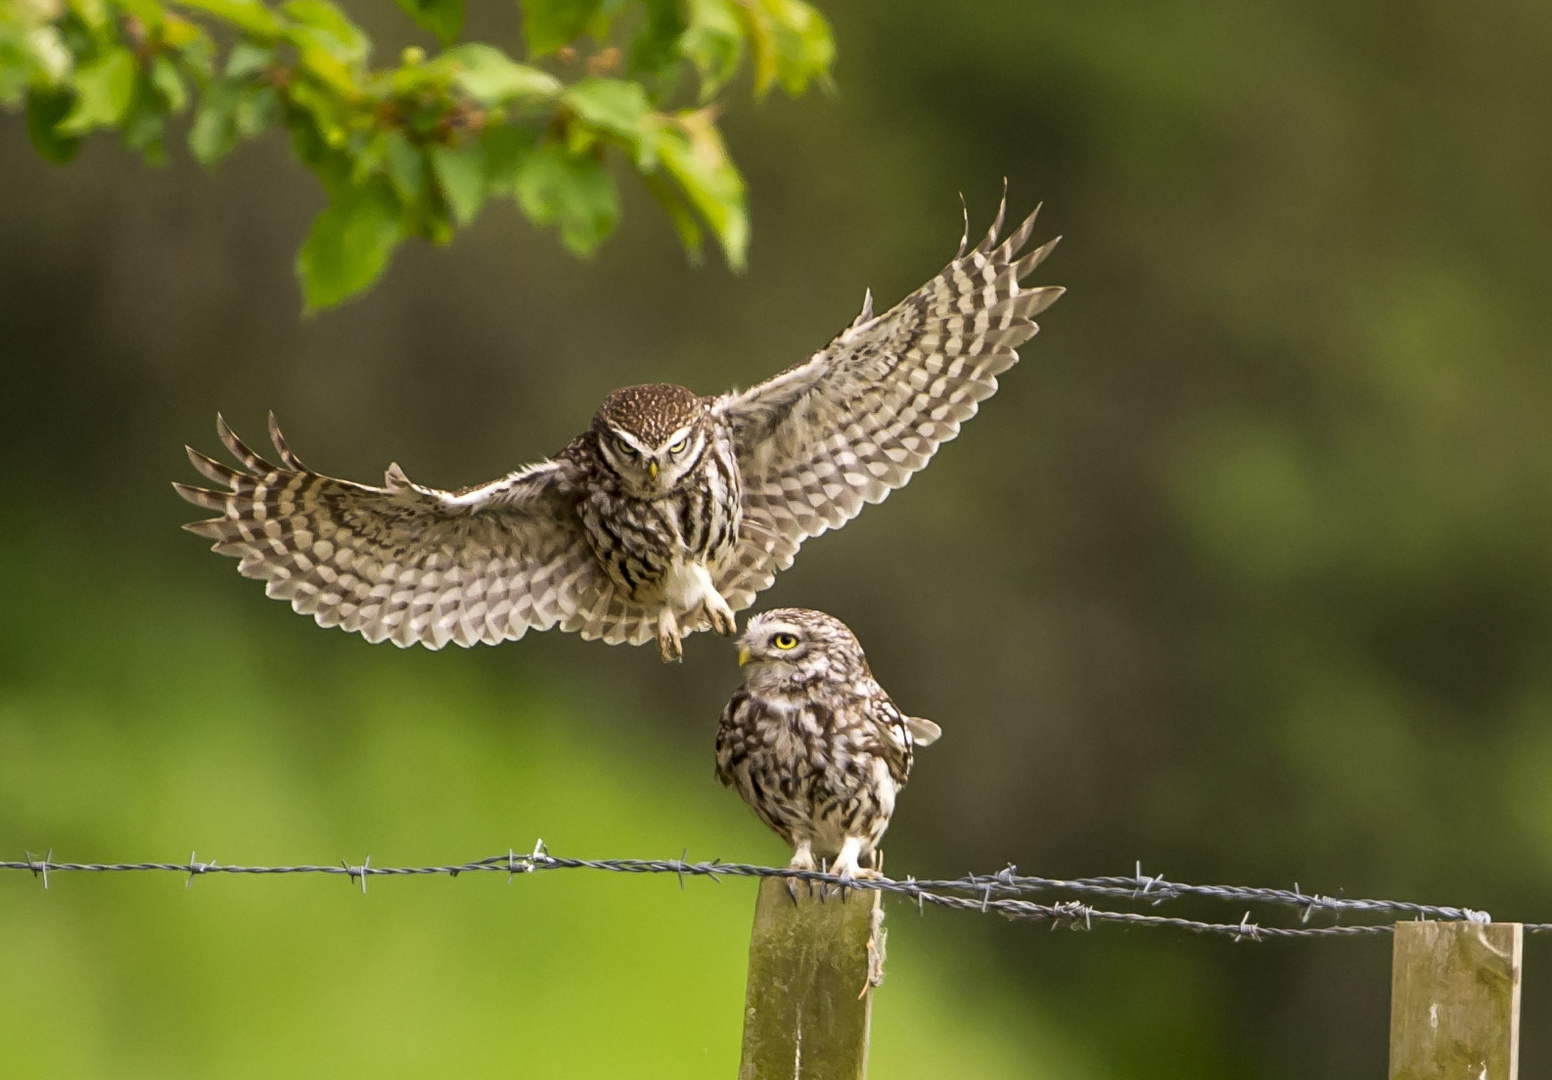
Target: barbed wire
column 1156, row 889
column 1001, row 893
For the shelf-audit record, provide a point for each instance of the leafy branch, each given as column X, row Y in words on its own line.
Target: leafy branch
column 416, row 150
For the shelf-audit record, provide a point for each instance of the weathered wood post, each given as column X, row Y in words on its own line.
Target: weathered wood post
column 1455, row 1001
column 813, row 958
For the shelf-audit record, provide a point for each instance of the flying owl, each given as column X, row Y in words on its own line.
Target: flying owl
column 812, row 742
column 668, row 514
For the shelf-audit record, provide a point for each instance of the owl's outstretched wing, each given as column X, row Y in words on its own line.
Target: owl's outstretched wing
column 411, row 564
column 860, row 417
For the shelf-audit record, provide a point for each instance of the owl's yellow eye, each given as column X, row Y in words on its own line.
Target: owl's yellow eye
column 785, row 641
column 625, row 448
column 678, row 447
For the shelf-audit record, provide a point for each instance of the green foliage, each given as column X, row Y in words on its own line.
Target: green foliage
column 417, row 149
column 444, row 18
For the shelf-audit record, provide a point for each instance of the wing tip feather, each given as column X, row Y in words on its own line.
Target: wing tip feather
column 213, row 470
column 287, row 457
column 200, row 497
column 986, row 246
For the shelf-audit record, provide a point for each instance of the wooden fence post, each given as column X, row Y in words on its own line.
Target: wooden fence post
column 1455, row 1001
column 812, row 960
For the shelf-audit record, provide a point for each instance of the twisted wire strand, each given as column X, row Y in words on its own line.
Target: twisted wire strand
column 1156, row 889
column 999, row 893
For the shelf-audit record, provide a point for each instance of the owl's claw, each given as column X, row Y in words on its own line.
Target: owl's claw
column 668, row 640
column 847, row 863
column 720, row 615
column 802, row 859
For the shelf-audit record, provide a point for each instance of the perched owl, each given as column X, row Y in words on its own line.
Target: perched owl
column 812, row 742
column 667, row 515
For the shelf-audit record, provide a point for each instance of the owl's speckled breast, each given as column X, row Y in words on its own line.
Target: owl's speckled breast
column 637, row 540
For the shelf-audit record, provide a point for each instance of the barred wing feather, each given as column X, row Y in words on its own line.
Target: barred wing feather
column 412, row 564
column 859, row 418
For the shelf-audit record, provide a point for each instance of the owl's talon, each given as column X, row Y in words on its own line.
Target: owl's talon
column 847, row 862
column 720, row 615
column 668, row 641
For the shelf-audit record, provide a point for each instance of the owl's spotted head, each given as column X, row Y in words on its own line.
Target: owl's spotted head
column 794, row 647
column 651, row 436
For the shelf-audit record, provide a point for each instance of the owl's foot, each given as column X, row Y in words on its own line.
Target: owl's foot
column 719, row 614
column 847, row 863
column 688, row 588
column 668, row 638
column 802, row 859
column 848, row 868
column 803, row 856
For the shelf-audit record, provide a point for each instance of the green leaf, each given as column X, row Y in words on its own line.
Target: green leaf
column 694, row 154
column 45, row 109
column 654, row 51
column 103, row 91
column 330, row 29
column 195, row 55
column 324, row 107
column 335, row 77
column 805, row 48
column 214, row 131
column 247, row 59
column 349, row 245
column 714, row 43
column 444, row 18
column 168, row 83
column 619, row 108
column 178, row 33
column 143, row 123
column 249, row 15
column 507, row 146
column 257, row 107
column 229, row 112
column 405, row 165
column 94, row 13
column 460, row 174
column 46, row 53
column 792, row 43
column 549, row 24
column 489, row 76
column 15, row 67
column 613, row 105
column 147, row 11
column 311, row 148
column 572, row 191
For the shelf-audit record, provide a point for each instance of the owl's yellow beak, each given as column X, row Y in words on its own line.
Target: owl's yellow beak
column 652, row 469
column 744, row 656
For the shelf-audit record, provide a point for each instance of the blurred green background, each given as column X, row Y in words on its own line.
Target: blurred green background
column 1245, row 573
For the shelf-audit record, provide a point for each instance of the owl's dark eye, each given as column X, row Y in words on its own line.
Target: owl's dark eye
column 785, row 641
column 678, row 447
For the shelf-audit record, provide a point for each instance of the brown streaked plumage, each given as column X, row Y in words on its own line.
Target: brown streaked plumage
column 667, row 515
column 813, row 743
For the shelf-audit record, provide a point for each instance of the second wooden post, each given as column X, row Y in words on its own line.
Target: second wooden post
column 1455, row 1001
